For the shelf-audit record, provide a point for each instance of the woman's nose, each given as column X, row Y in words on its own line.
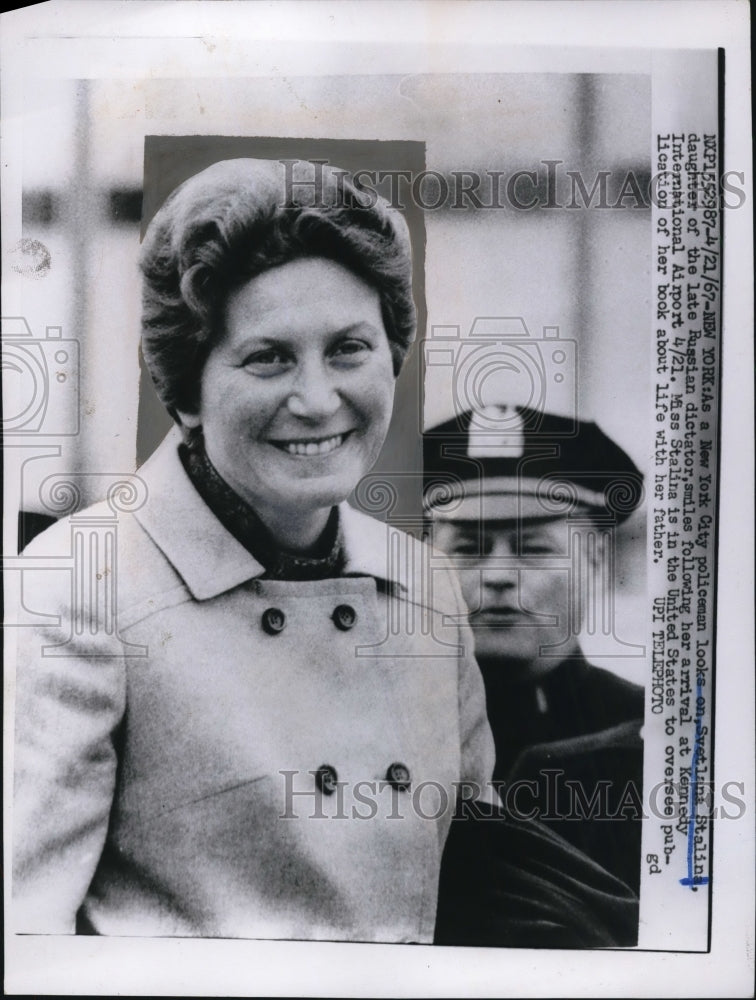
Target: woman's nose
column 314, row 396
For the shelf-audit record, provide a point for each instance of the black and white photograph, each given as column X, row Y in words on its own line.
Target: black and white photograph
column 377, row 565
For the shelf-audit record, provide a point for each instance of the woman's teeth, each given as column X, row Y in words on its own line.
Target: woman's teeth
column 314, row 447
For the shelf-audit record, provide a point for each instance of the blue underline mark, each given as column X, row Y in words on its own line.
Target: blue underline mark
column 694, row 880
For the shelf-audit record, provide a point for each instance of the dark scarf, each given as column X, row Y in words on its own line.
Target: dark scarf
column 242, row 522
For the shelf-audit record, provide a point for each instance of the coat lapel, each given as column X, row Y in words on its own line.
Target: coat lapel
column 208, row 557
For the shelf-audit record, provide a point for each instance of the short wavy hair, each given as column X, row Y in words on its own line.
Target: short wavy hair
column 238, row 218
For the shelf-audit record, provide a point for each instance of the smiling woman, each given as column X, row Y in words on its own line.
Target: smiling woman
column 296, row 397
column 238, row 767
column 278, row 311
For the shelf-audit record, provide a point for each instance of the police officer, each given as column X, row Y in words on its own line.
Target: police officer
column 527, row 503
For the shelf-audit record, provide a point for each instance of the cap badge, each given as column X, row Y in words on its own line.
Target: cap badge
column 496, row 432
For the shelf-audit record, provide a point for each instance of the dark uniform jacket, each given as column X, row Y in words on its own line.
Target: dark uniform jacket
column 575, row 739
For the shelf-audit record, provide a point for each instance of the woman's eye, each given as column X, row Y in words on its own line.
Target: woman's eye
column 268, row 363
column 350, row 351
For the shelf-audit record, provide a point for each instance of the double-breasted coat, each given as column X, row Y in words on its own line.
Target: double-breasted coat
column 204, row 751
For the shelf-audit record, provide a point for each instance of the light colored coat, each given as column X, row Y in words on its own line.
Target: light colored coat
column 166, row 743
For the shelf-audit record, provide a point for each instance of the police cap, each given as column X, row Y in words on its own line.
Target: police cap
column 511, row 462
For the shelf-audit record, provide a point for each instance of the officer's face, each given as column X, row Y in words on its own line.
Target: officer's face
column 296, row 397
column 516, row 585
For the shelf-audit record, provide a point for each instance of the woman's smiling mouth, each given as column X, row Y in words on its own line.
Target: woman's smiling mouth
column 308, row 447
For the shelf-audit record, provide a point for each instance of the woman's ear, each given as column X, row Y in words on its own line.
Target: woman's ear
column 190, row 420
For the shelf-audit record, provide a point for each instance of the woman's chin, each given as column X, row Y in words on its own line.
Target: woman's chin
column 318, row 496
column 275, row 480
column 308, row 494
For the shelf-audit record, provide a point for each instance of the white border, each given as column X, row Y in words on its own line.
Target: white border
column 247, row 38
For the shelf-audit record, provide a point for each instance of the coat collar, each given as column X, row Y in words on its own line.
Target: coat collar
column 208, row 558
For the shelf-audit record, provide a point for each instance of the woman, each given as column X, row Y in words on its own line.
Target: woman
column 284, row 758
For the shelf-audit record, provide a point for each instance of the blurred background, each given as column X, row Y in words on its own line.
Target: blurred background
column 579, row 275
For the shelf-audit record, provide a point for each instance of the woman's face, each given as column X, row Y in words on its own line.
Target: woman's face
column 296, row 396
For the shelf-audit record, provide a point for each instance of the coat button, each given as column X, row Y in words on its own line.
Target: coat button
column 344, row 617
column 273, row 621
column 326, row 779
column 398, row 776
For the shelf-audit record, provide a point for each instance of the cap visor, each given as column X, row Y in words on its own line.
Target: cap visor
column 506, row 507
